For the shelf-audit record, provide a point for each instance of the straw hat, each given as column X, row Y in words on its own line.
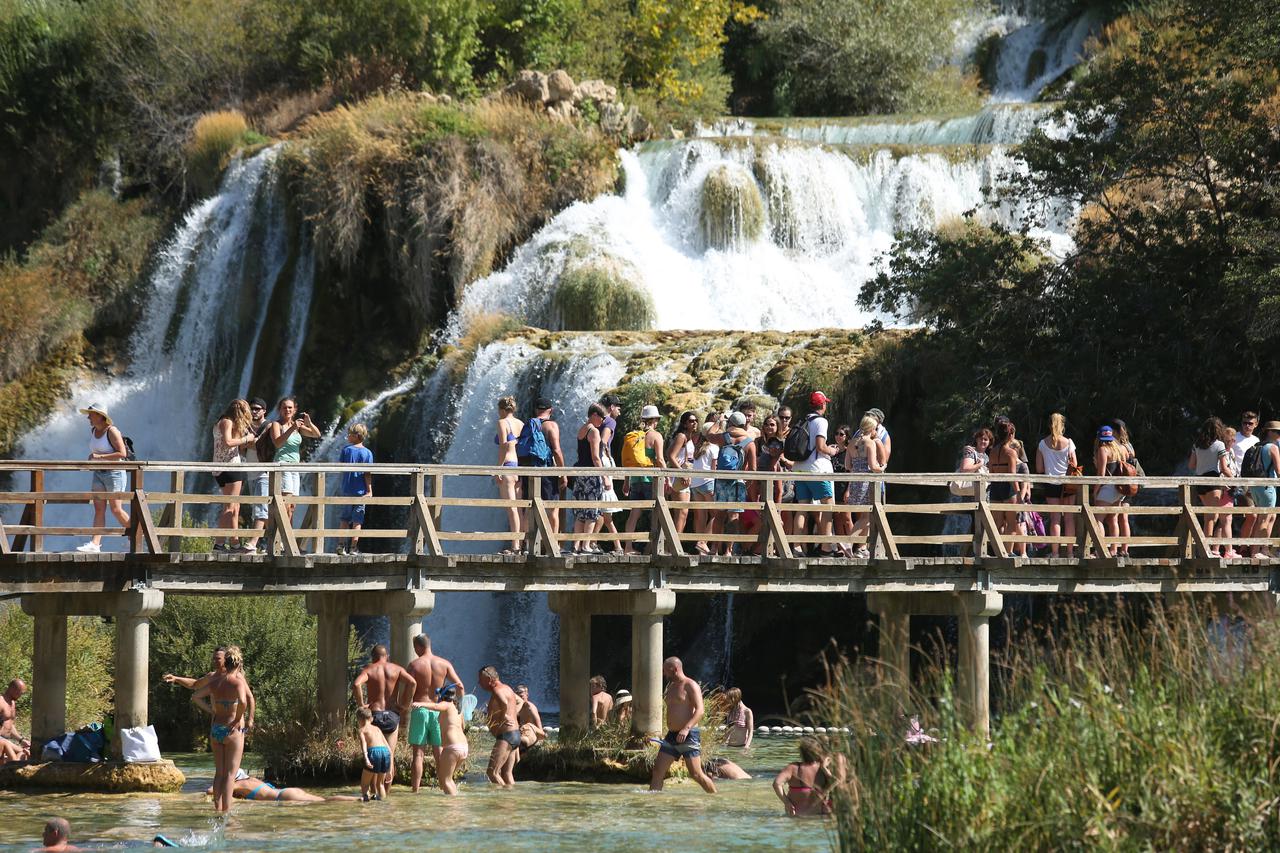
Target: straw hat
column 1271, row 426
column 97, row 409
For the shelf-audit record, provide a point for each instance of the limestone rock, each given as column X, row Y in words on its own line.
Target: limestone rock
column 562, row 110
column 560, row 86
column 108, row 777
column 531, row 86
column 637, row 126
column 613, row 118
column 598, row 91
column 732, row 210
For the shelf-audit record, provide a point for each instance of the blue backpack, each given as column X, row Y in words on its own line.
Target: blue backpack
column 532, row 443
column 732, row 456
column 87, row 745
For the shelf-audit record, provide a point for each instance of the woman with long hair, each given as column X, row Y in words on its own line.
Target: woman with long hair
column 681, row 451
column 1264, row 497
column 1107, row 457
column 1004, row 460
column 1055, row 456
column 1209, row 459
column 286, row 434
column 233, row 431
column 862, row 456
column 843, row 521
column 1121, row 431
column 587, row 520
column 703, row 488
column 506, row 431
column 805, row 786
column 225, row 696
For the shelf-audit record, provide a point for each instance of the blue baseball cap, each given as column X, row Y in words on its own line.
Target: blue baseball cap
column 1105, row 434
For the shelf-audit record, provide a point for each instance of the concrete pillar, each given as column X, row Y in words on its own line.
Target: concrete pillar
column 974, row 676
column 895, row 649
column 575, row 666
column 646, row 674
column 133, row 646
column 49, row 678
column 333, row 628
column 405, row 609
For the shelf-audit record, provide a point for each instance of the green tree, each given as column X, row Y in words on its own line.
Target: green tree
column 847, row 57
column 673, row 46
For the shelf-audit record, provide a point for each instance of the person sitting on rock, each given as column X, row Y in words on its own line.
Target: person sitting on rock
column 13, row 746
column 601, row 701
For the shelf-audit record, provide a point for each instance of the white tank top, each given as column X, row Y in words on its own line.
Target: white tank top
column 100, row 444
column 1055, row 461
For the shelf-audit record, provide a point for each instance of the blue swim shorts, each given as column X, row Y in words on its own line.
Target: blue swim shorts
column 352, row 514
column 690, row 748
column 808, row 491
column 380, row 758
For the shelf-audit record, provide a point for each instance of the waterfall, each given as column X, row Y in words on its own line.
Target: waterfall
column 828, row 218
column 996, row 124
column 1039, row 52
column 197, row 343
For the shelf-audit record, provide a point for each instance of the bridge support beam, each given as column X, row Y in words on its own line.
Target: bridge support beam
column 333, row 611
column 132, row 612
column 973, row 611
column 646, row 609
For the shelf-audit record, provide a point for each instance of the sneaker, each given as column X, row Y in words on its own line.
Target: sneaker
column 354, row 552
column 89, row 548
column 220, row 547
column 340, row 550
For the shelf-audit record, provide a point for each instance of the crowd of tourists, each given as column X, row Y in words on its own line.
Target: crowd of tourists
column 745, row 439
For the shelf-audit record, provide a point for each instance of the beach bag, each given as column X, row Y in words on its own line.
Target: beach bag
column 532, row 443
column 796, row 447
column 56, row 749
column 964, row 488
column 139, row 744
column 1126, row 469
column 633, row 455
column 86, row 745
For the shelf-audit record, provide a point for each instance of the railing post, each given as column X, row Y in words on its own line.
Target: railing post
column 417, row 490
column 37, row 511
column 979, row 527
column 437, row 491
column 318, row 519
column 772, row 529
column 172, row 514
column 884, row 543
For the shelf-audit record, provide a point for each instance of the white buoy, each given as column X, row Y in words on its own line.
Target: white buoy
column 788, row 729
column 845, row 730
column 763, row 730
column 822, row 730
column 776, row 729
column 808, row 730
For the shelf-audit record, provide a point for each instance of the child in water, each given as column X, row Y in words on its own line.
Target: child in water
column 738, row 718
column 377, row 757
column 453, row 737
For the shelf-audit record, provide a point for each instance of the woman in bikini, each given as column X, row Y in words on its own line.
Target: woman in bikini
column 454, row 747
column 805, row 786
column 259, row 790
column 226, row 697
column 506, row 431
column 1004, row 460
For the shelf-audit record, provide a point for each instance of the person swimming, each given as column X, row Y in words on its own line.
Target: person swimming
column 805, row 786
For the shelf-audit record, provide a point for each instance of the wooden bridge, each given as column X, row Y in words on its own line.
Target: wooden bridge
column 164, row 553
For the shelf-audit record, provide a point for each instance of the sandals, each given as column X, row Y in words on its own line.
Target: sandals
column 702, row 549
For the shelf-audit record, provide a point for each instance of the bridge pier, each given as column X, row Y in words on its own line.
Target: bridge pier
column 333, row 611
column 646, row 609
column 973, row 611
column 132, row 612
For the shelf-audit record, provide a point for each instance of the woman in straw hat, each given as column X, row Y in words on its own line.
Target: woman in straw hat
column 105, row 444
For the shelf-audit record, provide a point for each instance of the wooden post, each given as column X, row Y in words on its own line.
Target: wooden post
column 437, row 491
column 986, row 522
column 663, row 537
column 979, row 529
column 772, row 530
column 173, row 512
column 37, row 512
column 1087, row 531
column 417, row 491
column 142, row 531
column 881, row 534
column 318, row 520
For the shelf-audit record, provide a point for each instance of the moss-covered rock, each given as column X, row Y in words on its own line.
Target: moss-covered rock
column 732, row 210
column 108, row 777
column 601, row 293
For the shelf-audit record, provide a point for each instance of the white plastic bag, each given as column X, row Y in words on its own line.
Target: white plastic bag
column 139, row 744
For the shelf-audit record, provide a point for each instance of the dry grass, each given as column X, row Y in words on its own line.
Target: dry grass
column 214, row 138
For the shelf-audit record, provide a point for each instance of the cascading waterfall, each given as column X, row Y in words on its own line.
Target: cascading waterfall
column 197, row 343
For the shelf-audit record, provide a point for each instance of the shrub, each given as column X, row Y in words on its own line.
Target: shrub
column 89, row 661
column 732, row 212
column 214, row 138
column 278, row 637
column 602, row 294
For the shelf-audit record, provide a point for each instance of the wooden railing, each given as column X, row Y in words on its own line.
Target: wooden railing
column 903, row 516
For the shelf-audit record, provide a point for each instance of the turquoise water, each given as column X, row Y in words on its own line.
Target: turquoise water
column 536, row 816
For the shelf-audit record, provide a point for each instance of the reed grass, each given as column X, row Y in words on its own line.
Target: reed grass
column 214, row 138
column 1139, row 730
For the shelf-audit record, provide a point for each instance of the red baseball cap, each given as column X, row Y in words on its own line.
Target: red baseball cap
column 817, row 398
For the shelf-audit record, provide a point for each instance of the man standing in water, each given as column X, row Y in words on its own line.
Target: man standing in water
column 385, row 680
column 683, row 698
column 430, row 673
column 504, row 725
column 9, row 712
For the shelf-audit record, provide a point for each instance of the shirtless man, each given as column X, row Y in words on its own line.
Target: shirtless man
column 504, row 724
column 531, row 731
column 431, row 673
column 683, row 698
column 8, row 713
column 601, row 701
column 385, row 680
column 219, row 664
column 57, row 836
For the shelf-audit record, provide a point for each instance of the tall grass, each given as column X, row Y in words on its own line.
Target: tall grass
column 1133, row 731
column 214, row 138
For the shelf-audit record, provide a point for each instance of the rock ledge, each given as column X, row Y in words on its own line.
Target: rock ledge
column 108, row 777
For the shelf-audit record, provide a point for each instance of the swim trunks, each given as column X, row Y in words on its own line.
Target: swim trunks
column 380, row 758
column 424, row 727
column 386, row 721
column 512, row 739
column 691, row 748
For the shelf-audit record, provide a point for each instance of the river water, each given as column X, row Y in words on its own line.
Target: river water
column 536, row 816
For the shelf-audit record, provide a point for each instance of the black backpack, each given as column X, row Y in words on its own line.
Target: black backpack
column 796, row 447
column 129, row 455
column 1253, row 465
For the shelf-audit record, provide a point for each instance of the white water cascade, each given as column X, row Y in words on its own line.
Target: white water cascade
column 197, row 344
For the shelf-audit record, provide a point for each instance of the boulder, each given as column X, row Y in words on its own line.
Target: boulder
column 563, row 110
column 530, row 86
column 637, row 126
column 560, row 86
column 108, row 777
column 598, row 91
column 613, row 119
column 732, row 211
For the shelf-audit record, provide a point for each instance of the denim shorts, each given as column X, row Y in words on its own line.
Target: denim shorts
column 109, row 481
column 291, row 482
column 261, row 482
column 352, row 514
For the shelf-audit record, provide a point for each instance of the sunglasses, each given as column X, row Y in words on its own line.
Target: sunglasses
column 784, row 417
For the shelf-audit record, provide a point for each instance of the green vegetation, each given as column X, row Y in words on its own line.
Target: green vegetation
column 601, row 293
column 732, row 212
column 1135, row 731
column 1169, row 295
column 278, row 638
column 89, row 659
